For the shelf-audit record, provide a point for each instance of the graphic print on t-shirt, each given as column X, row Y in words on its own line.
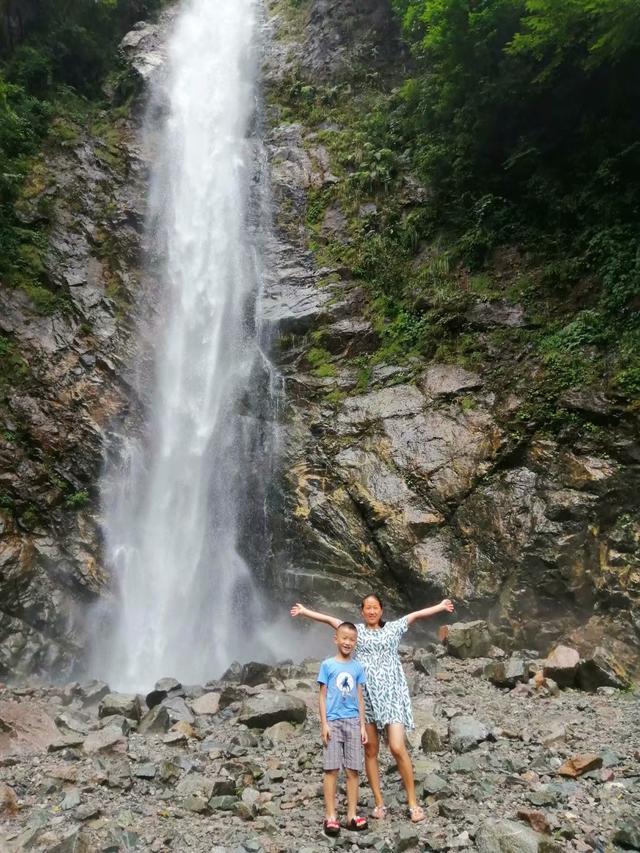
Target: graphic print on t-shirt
column 344, row 683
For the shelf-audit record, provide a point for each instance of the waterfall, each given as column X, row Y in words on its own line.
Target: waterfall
column 184, row 502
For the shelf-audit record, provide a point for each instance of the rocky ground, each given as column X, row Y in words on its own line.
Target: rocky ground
column 235, row 765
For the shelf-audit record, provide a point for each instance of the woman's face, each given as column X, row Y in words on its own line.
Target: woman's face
column 371, row 611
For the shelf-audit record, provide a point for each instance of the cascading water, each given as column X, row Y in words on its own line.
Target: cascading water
column 184, row 494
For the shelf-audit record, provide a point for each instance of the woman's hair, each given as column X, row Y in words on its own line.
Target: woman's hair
column 375, row 595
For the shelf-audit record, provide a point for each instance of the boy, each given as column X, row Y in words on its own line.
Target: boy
column 342, row 727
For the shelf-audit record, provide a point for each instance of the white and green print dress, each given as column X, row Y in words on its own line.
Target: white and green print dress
column 386, row 693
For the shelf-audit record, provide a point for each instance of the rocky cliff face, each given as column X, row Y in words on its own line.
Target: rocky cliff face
column 412, row 482
column 67, row 349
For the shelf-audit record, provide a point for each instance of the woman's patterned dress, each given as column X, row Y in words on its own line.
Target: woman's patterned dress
column 386, row 694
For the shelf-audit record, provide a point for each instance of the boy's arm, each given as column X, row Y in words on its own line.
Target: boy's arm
column 324, row 725
column 301, row 610
column 363, row 729
column 445, row 606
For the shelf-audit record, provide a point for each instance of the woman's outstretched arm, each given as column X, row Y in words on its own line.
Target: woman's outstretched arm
column 301, row 610
column 445, row 606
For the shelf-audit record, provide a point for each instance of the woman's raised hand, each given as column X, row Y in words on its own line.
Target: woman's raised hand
column 298, row 610
column 447, row 605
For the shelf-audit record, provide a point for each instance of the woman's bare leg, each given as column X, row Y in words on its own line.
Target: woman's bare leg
column 395, row 733
column 371, row 763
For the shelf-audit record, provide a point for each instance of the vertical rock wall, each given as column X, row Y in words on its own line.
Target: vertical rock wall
column 416, row 485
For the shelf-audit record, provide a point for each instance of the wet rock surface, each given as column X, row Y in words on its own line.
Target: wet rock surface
column 414, row 485
column 490, row 764
column 90, row 194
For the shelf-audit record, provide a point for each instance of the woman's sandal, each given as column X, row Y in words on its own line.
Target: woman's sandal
column 379, row 813
column 416, row 814
column 331, row 827
column 357, row 824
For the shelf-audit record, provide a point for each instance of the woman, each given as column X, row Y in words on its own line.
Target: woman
column 387, row 703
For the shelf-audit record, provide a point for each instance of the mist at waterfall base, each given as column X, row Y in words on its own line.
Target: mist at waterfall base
column 184, row 498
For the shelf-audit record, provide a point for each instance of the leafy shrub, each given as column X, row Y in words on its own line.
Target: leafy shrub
column 523, row 116
column 78, row 499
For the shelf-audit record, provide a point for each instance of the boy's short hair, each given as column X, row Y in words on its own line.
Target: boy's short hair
column 347, row 625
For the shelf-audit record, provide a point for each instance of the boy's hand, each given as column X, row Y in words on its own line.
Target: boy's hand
column 447, row 605
column 325, row 731
column 298, row 610
column 363, row 734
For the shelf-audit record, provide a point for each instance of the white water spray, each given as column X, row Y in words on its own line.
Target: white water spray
column 174, row 509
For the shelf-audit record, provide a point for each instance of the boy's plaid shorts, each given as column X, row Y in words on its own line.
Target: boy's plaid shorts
column 345, row 746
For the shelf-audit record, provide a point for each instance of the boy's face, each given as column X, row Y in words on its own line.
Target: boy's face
column 346, row 641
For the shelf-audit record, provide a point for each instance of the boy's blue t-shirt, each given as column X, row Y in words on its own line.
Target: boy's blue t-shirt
column 342, row 678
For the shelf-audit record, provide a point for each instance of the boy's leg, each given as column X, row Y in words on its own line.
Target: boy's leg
column 331, row 762
column 352, row 793
column 330, row 785
column 353, row 756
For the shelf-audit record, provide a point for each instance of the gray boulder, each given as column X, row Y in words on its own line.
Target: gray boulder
column 601, row 669
column 280, row 733
column 75, row 841
column 91, row 692
column 465, row 733
column 120, row 704
column 507, row 836
column 562, row 665
column 165, row 715
column 194, row 792
column 208, row 703
column 627, row 834
column 426, row 662
column 105, row 740
column 163, row 688
column 254, row 673
column 468, row 639
column 74, row 721
column 506, row 673
column 430, row 740
column 271, row 707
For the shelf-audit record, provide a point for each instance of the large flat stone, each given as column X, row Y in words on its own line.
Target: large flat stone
column 450, row 448
column 25, row 727
column 271, row 707
column 507, row 836
column 394, row 402
column 442, row 380
column 468, row 639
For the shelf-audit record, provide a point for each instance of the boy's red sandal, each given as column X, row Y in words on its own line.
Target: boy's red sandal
column 331, row 827
column 357, row 824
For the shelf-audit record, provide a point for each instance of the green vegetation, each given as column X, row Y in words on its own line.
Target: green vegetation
column 77, row 500
column 504, row 164
column 524, row 118
column 12, row 366
column 319, row 359
column 52, row 70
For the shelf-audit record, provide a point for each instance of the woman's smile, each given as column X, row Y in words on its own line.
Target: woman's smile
column 371, row 611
